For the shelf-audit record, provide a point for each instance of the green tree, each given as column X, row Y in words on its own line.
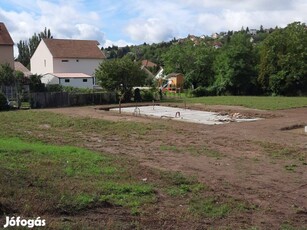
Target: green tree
column 235, row 67
column 3, row 102
column 24, row 53
column 27, row 48
column 35, row 83
column 120, row 75
column 7, row 76
column 283, row 61
column 195, row 62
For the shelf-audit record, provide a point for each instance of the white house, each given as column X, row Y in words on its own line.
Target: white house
column 66, row 56
column 77, row 80
column 252, row 31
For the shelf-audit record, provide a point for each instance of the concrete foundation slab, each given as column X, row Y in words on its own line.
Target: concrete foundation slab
column 187, row 115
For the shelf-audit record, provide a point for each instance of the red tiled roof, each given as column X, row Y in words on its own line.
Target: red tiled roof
column 5, row 37
column 148, row 63
column 66, row 48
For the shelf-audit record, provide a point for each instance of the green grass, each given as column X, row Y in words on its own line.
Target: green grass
column 193, row 150
column 278, row 151
column 209, row 207
column 291, row 167
column 44, row 174
column 204, row 151
column 295, row 157
column 265, row 103
column 215, row 207
column 37, row 125
column 170, row 148
column 180, row 185
column 64, row 179
column 287, row 226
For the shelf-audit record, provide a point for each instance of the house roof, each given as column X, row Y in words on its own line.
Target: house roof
column 66, row 48
column 173, row 75
column 5, row 37
column 70, row 75
column 20, row 67
column 148, row 63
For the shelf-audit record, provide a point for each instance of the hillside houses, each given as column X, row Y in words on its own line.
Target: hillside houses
column 69, row 59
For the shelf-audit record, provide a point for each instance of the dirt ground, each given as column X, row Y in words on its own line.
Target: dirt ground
column 246, row 170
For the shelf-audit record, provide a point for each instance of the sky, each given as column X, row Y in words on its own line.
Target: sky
column 133, row 22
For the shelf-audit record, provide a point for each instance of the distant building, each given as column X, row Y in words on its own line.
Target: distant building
column 66, row 56
column 148, row 64
column 215, row 36
column 6, row 46
column 174, row 83
column 217, row 45
column 149, row 68
column 252, row 32
column 77, row 80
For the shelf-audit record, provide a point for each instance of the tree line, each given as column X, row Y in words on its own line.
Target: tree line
column 276, row 65
column 272, row 62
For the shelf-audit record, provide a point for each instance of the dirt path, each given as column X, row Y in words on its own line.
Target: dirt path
column 252, row 161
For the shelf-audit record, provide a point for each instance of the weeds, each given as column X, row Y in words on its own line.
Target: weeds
column 277, row 151
column 179, row 185
column 215, row 207
column 291, row 167
column 53, row 173
column 193, row 150
column 209, row 207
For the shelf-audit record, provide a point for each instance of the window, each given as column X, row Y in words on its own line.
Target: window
column 84, row 80
column 67, row 80
column 64, row 60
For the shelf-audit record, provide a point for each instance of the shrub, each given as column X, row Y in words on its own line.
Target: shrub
column 147, row 95
column 70, row 89
column 54, row 88
column 3, row 102
column 202, row 91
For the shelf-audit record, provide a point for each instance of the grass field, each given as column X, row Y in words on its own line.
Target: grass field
column 44, row 177
column 42, row 173
column 265, row 103
column 86, row 173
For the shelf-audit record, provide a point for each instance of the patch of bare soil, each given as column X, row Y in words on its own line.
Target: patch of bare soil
column 250, row 161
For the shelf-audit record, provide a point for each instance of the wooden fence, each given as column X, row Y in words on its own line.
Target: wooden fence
column 64, row 99
column 10, row 92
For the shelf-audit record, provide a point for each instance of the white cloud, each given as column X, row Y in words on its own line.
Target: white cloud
column 239, row 5
column 162, row 20
column 152, row 30
column 119, row 43
column 89, row 32
column 64, row 21
column 125, row 22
